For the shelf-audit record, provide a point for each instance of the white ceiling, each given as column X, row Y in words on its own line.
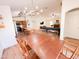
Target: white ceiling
column 21, row 4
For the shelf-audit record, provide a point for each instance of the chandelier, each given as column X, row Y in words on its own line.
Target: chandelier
column 35, row 10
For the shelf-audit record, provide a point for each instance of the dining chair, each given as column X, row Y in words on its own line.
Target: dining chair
column 26, row 50
column 61, row 56
column 76, row 54
column 68, row 50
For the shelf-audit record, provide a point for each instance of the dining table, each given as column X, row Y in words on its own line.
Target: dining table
column 45, row 45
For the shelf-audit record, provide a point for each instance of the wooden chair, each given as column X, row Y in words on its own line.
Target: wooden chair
column 61, row 56
column 26, row 50
column 76, row 54
column 68, row 51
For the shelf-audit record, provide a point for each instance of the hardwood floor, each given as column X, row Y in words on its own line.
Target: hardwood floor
column 13, row 53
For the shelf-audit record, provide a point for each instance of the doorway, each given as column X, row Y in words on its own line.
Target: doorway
column 20, row 26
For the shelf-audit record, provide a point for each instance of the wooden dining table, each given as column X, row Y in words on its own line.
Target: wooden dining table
column 46, row 46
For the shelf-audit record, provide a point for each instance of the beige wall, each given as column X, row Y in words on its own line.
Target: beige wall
column 71, row 28
column 34, row 21
column 1, row 51
column 7, row 34
column 66, row 6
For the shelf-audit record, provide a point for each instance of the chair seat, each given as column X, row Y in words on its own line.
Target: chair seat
column 61, row 56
